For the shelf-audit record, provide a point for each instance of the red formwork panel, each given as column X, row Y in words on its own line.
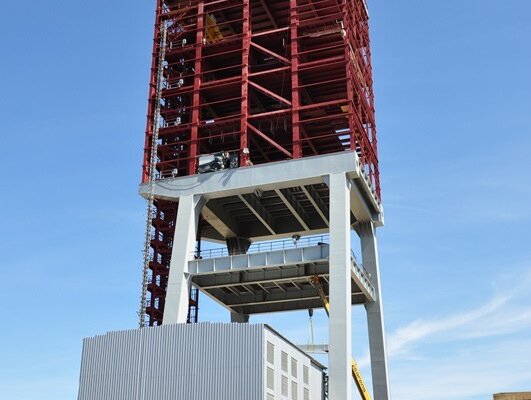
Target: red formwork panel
column 267, row 80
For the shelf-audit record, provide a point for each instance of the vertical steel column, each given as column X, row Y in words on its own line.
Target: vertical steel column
column 295, row 93
column 177, row 293
column 340, row 328
column 246, row 44
column 375, row 318
column 347, row 34
column 196, row 103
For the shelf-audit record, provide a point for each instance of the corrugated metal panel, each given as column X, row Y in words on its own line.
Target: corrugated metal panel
column 193, row 362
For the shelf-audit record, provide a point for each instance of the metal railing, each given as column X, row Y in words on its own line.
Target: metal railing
column 270, row 246
column 285, row 244
column 360, row 267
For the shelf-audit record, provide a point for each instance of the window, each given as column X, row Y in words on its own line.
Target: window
column 293, row 367
column 270, row 396
column 284, row 362
column 294, row 390
column 270, row 378
column 306, row 394
column 270, row 353
column 284, row 386
column 305, row 374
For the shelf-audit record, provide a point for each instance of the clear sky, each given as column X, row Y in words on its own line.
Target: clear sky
column 453, row 86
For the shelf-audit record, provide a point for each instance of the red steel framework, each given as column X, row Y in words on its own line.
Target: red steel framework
column 268, row 80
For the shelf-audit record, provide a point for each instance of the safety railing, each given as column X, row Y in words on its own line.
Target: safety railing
column 360, row 267
column 286, row 244
column 270, row 246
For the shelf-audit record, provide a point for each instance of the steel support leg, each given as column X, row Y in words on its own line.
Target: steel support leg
column 340, row 328
column 375, row 321
column 176, row 306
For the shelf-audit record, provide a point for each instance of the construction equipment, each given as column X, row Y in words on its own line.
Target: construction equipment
column 216, row 161
column 360, row 384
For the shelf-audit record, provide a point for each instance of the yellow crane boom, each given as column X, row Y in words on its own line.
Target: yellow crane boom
column 360, row 384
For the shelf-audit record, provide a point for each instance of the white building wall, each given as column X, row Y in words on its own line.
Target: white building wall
column 289, row 373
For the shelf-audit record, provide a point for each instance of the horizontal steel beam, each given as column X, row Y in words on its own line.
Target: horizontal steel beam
column 249, row 299
column 294, row 206
column 259, row 211
column 317, row 203
column 271, row 176
column 266, row 275
column 301, row 304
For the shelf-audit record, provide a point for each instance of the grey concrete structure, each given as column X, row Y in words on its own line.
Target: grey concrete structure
column 375, row 320
column 340, row 337
column 328, row 194
column 230, row 193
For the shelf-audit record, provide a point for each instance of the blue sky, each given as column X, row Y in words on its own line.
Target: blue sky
column 454, row 115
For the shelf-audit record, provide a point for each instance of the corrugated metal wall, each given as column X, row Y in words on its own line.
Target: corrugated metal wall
column 203, row 361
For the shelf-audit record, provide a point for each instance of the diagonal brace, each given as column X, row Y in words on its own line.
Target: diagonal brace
column 271, row 53
column 269, row 140
column 270, row 93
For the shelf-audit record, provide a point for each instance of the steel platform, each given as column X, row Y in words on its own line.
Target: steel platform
column 276, row 280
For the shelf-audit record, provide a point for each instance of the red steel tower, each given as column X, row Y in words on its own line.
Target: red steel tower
column 260, row 81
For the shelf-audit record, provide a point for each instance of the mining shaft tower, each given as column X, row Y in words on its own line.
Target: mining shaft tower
column 261, row 128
